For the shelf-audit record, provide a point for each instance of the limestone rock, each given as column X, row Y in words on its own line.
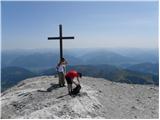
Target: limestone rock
column 41, row 97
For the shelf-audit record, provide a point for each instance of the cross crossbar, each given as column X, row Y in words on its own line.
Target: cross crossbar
column 54, row 38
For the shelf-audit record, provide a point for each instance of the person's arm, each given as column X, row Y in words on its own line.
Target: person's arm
column 78, row 80
column 65, row 62
column 74, row 82
column 57, row 68
column 64, row 69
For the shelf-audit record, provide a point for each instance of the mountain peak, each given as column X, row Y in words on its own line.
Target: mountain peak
column 40, row 97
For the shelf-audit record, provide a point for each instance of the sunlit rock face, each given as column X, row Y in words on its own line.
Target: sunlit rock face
column 41, row 97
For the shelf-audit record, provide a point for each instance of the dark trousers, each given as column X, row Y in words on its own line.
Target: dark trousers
column 61, row 78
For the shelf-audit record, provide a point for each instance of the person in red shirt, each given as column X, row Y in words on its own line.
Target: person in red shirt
column 69, row 78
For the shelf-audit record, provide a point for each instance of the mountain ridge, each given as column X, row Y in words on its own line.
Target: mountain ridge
column 112, row 73
column 116, row 74
column 75, row 57
column 145, row 68
column 12, row 75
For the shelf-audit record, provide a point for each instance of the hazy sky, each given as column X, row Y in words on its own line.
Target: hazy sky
column 94, row 24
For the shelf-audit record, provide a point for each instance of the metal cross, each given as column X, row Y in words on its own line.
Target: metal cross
column 60, row 39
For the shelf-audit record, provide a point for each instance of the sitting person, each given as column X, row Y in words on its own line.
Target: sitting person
column 69, row 78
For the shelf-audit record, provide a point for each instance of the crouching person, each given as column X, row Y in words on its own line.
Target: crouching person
column 69, row 78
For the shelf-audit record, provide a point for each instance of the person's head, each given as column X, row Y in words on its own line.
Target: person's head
column 62, row 59
column 79, row 74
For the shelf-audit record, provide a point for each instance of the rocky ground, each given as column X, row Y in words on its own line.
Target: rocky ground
column 40, row 97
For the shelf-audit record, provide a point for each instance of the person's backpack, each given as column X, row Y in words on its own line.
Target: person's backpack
column 76, row 90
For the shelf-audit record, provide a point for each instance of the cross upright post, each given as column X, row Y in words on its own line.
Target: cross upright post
column 60, row 40
column 61, row 45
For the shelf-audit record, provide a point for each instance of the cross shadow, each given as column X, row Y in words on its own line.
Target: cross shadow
column 52, row 87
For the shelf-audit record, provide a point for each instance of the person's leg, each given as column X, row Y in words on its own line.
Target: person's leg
column 61, row 79
column 69, row 88
column 69, row 85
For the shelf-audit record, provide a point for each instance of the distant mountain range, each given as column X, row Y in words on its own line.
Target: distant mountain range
column 39, row 60
column 117, row 66
column 10, row 76
column 35, row 61
column 152, row 68
column 112, row 73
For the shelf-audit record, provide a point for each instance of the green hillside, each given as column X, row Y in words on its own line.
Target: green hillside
column 145, row 68
column 12, row 75
column 112, row 73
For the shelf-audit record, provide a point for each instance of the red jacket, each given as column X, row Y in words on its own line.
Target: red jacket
column 72, row 74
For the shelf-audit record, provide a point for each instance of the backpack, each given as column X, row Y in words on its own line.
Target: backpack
column 76, row 90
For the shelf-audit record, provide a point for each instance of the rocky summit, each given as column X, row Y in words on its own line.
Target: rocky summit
column 41, row 97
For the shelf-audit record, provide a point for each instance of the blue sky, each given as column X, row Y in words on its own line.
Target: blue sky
column 27, row 25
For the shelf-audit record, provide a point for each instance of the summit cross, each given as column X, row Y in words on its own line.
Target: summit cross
column 60, row 40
